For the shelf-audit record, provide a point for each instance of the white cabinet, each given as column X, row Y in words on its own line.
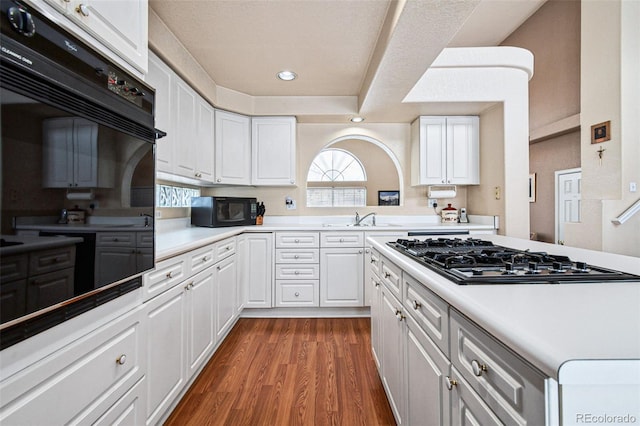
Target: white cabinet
column 297, row 269
column 80, row 381
column 70, row 155
column 445, row 150
column 119, row 25
column 188, row 149
column 273, row 151
column 256, row 269
column 162, row 78
column 232, row 148
column 372, row 260
column 375, row 291
column 392, row 353
column 225, row 277
column 341, row 269
column 200, row 311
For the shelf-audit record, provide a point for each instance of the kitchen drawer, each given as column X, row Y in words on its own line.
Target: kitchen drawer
column 513, row 389
column 129, row 410
column 44, row 261
column 200, row 259
column 116, row 239
column 165, row 275
column 48, row 289
column 341, row 239
column 429, row 311
column 14, row 267
column 224, row 249
column 297, row 255
column 80, row 381
column 391, row 276
column 144, row 239
column 297, row 272
column 297, row 293
column 297, row 240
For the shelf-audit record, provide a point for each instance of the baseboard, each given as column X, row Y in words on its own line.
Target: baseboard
column 306, row 312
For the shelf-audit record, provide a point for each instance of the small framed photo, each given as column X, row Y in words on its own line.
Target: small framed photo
column 601, row 132
column 388, row 198
column 532, row 188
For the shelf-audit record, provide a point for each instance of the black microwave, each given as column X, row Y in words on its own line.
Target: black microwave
column 214, row 212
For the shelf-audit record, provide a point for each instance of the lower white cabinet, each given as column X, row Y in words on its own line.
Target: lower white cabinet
column 186, row 322
column 79, row 382
column 225, row 278
column 375, row 290
column 129, row 410
column 341, row 277
column 392, row 353
column 256, row 269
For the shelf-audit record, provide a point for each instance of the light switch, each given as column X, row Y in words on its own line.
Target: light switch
column 633, row 187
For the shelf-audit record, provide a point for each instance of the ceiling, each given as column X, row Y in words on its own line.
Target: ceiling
column 372, row 50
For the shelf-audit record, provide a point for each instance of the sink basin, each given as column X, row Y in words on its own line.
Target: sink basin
column 364, row 225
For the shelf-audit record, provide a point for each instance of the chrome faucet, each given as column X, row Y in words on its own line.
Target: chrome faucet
column 360, row 219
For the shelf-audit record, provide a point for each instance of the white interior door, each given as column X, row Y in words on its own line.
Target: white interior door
column 568, row 183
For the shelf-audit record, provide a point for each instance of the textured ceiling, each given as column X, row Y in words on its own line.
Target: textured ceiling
column 375, row 50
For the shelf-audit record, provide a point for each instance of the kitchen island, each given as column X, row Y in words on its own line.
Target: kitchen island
column 581, row 340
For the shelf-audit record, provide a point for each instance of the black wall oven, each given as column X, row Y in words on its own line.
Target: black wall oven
column 77, row 134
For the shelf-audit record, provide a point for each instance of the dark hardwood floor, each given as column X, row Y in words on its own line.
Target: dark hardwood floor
column 289, row 371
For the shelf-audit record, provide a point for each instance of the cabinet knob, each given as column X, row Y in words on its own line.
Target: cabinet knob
column 377, row 284
column 297, row 272
column 450, row 382
column 115, row 240
column 292, row 181
column 297, row 294
column 205, row 258
column 296, row 240
column 399, row 315
column 478, row 368
column 169, row 274
column 189, row 286
column 387, row 274
column 218, row 268
column 367, row 251
column 82, row 9
column 296, row 256
column 342, row 240
column 228, row 248
column 218, row 180
column 359, row 251
column 373, row 260
column 121, row 359
column 416, row 305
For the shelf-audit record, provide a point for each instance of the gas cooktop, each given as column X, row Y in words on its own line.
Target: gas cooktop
column 475, row 261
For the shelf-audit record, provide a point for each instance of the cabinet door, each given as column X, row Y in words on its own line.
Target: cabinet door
column 166, row 342
column 392, row 337
column 258, row 270
column 119, row 24
column 433, row 150
column 57, row 153
column 273, row 150
column 463, row 150
column 232, row 148
column 204, row 150
column 48, row 289
column 162, row 78
column 341, row 277
column 85, row 134
column 467, row 407
column 200, row 319
column 185, row 130
column 427, row 375
column 376, row 307
column 225, row 282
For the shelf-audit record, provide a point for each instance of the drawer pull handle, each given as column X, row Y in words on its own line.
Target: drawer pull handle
column 205, row 258
column 218, row 267
column 373, row 261
column 297, row 294
column 399, row 315
column 296, row 240
column 377, row 284
column 416, row 305
column 342, row 240
column 189, row 286
column 228, row 248
column 478, row 368
column 121, row 359
column 450, row 382
column 83, row 10
column 297, row 272
column 359, row 251
column 387, row 274
column 169, row 274
column 296, row 257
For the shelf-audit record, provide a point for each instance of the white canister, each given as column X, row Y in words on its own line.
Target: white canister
column 449, row 214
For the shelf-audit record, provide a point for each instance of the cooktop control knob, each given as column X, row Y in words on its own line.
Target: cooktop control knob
column 581, row 267
column 508, row 268
column 476, row 271
column 557, row 267
column 533, row 268
column 21, row 21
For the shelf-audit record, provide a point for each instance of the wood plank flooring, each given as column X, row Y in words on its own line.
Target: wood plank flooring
column 289, row 371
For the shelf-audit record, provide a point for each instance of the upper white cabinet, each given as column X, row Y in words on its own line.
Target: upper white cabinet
column 188, row 149
column 232, row 148
column 120, row 25
column 445, row 150
column 273, row 151
column 163, row 79
column 70, row 155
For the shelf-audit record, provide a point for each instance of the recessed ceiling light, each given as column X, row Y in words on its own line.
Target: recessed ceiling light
column 287, row 75
column 357, row 119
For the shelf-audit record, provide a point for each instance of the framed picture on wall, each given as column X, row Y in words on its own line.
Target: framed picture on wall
column 532, row 188
column 601, row 132
column 388, row 198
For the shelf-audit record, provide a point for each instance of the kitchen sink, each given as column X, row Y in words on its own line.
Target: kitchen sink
column 364, row 225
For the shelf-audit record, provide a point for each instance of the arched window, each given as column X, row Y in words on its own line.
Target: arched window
column 336, row 178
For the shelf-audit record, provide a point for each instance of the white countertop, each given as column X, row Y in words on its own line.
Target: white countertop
column 547, row 324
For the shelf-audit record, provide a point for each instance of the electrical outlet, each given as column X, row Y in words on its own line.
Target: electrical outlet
column 497, row 192
column 432, row 202
column 633, row 187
